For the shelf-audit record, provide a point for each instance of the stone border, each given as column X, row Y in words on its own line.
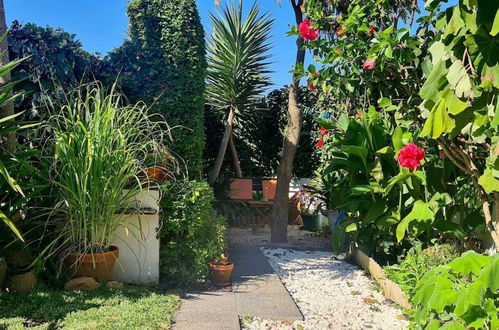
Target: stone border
column 391, row 290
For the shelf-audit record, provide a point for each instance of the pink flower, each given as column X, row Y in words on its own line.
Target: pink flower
column 372, row 30
column 369, row 64
column 410, row 156
column 311, row 87
column 341, row 31
column 306, row 32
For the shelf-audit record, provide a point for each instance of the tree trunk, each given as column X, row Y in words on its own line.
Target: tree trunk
column 223, row 147
column 235, row 157
column 8, row 141
column 279, row 232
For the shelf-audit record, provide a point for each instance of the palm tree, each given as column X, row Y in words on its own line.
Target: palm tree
column 238, row 68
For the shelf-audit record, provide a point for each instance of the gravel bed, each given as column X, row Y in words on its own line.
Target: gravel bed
column 330, row 292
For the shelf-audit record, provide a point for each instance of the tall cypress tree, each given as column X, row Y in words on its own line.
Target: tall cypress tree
column 166, row 64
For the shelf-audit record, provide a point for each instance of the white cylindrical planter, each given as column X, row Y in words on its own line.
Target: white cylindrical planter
column 137, row 239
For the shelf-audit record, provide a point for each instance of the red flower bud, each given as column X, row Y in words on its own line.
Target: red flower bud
column 369, row 64
column 320, row 143
column 372, row 30
column 323, row 131
column 311, row 87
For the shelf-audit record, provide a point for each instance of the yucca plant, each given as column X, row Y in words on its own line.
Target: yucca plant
column 238, row 68
column 100, row 147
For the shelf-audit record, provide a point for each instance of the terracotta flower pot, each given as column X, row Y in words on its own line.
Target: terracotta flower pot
column 269, row 189
column 221, row 273
column 157, row 174
column 99, row 266
column 22, row 283
column 3, row 271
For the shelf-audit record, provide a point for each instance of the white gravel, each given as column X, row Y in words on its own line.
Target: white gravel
column 331, row 294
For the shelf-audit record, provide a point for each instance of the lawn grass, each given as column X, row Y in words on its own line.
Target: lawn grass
column 129, row 308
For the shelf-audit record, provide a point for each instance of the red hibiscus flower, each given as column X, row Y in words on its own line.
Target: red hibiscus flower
column 341, row 31
column 369, row 64
column 372, row 30
column 311, row 86
column 324, row 131
column 306, row 32
column 410, row 156
column 320, row 143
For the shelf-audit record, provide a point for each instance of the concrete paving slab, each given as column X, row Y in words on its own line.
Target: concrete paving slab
column 257, row 289
column 207, row 311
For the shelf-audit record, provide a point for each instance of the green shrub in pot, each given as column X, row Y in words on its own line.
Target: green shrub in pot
column 99, row 148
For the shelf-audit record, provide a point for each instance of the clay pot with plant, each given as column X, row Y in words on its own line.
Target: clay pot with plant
column 99, row 146
column 221, row 271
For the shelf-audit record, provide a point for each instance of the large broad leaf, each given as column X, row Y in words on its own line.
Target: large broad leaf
column 490, row 275
column 495, row 26
column 489, row 182
column 455, row 23
column 459, row 80
column 470, row 296
column 485, row 44
column 434, row 81
column 355, row 150
column 421, row 212
column 469, row 262
column 388, row 219
column 452, row 325
column 439, row 121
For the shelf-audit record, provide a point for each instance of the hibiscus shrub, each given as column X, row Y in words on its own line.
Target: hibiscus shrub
column 192, row 235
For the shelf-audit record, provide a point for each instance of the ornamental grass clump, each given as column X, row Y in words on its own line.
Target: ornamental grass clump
column 100, row 146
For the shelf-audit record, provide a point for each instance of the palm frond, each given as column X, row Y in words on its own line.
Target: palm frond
column 238, row 57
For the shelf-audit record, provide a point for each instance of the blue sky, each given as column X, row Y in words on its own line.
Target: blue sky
column 101, row 24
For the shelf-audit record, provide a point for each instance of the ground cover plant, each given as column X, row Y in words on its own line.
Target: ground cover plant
column 129, row 308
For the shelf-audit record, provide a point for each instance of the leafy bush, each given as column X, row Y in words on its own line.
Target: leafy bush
column 191, row 234
column 56, row 63
column 417, row 262
column 462, row 294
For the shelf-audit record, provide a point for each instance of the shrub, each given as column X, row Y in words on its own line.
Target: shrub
column 417, row 262
column 462, row 294
column 164, row 65
column 191, row 235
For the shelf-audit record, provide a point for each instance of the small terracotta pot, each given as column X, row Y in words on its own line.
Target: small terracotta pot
column 3, row 271
column 157, row 174
column 22, row 283
column 221, row 273
column 99, row 266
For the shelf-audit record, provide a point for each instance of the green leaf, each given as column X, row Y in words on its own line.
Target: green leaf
column 470, row 296
column 434, row 81
column 11, row 225
column 455, row 23
column 490, row 275
column 421, row 212
column 351, row 227
column 489, row 182
column 495, row 26
column 459, row 80
column 384, row 102
column 397, row 138
column 374, row 211
column 362, row 189
column 388, row 219
column 355, row 150
column 469, row 262
column 439, row 121
column 452, row 325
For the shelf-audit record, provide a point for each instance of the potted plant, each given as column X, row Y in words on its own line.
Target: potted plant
column 159, row 162
column 310, row 207
column 98, row 151
column 221, row 271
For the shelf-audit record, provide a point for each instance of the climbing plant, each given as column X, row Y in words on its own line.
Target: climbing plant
column 164, row 65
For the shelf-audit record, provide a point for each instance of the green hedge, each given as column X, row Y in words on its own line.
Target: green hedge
column 191, row 233
column 164, row 65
